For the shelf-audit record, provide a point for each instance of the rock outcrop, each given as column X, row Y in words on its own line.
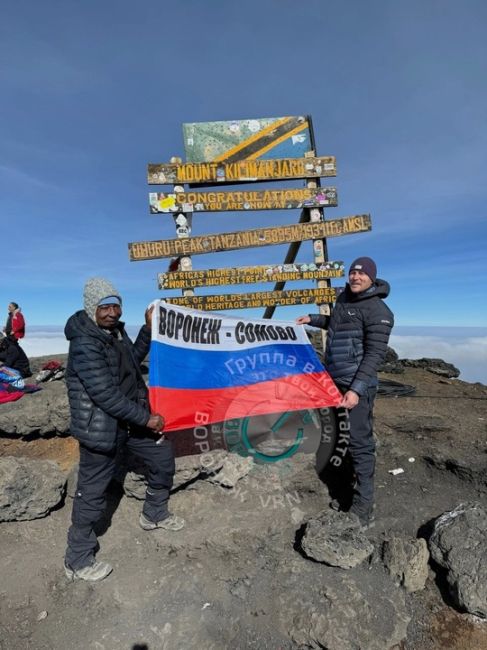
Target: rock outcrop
column 391, row 363
column 459, row 545
column 436, row 366
column 395, row 366
column 335, row 538
column 407, row 562
column 43, row 413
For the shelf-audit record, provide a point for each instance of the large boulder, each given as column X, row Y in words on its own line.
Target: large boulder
column 42, row 413
column 459, row 544
column 219, row 466
column 188, row 469
column 29, row 489
column 335, row 538
column 233, row 468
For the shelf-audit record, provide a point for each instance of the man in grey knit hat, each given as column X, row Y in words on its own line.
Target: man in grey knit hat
column 110, row 411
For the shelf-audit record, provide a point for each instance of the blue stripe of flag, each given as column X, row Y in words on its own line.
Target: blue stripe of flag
column 175, row 367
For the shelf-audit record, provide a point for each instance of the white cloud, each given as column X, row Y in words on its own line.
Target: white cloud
column 469, row 354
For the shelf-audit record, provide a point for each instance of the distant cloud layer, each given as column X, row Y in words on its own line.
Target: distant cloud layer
column 468, row 353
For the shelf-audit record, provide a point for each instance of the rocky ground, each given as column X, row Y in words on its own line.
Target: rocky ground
column 243, row 573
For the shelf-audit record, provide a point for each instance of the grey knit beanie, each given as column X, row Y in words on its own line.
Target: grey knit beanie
column 95, row 290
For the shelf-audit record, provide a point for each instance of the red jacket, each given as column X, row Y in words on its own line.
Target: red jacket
column 16, row 325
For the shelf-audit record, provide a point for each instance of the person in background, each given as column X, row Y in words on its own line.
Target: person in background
column 356, row 344
column 109, row 406
column 15, row 325
column 12, row 355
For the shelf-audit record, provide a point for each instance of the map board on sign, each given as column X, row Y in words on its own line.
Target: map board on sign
column 270, row 137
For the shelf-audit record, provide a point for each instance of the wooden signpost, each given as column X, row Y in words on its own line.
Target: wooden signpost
column 249, row 275
column 246, row 151
column 148, row 250
column 258, row 200
column 256, row 299
column 240, row 171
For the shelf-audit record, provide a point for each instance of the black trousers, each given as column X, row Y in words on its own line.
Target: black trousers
column 96, row 470
column 362, row 446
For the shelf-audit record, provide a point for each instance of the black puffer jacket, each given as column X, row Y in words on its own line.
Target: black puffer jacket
column 12, row 355
column 358, row 332
column 93, row 379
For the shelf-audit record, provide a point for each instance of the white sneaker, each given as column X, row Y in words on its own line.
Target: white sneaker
column 91, row 573
column 172, row 523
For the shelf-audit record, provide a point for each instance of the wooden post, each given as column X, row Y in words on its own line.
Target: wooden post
column 320, row 248
column 183, row 223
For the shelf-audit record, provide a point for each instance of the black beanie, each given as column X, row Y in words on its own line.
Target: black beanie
column 365, row 264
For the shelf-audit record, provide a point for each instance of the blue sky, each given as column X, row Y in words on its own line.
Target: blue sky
column 90, row 92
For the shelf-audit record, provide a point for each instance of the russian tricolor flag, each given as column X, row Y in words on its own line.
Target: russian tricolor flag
column 207, row 368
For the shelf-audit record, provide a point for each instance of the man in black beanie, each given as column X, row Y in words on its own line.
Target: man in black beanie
column 109, row 406
column 356, row 344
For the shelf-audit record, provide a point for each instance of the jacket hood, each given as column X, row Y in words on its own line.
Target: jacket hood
column 79, row 324
column 380, row 288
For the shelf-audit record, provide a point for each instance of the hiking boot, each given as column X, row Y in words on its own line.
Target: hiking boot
column 171, row 522
column 91, row 573
column 364, row 512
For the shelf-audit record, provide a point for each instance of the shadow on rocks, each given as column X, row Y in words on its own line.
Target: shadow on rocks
column 425, row 531
column 298, row 539
column 339, row 482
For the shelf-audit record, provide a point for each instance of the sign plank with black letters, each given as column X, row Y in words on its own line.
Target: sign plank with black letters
column 161, row 202
column 256, row 299
column 249, row 275
column 148, row 250
column 241, row 171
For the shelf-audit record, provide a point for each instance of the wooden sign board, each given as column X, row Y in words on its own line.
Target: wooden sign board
column 254, row 200
column 241, row 171
column 271, row 137
column 150, row 250
column 257, row 299
column 249, row 275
